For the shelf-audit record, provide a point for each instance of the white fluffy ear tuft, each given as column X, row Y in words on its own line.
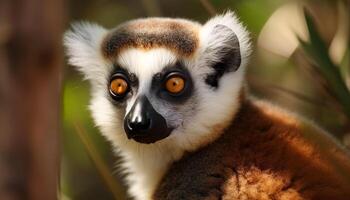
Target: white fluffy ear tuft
column 83, row 46
column 230, row 20
column 221, row 32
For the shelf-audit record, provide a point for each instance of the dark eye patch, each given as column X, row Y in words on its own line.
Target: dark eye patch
column 130, row 78
column 159, row 80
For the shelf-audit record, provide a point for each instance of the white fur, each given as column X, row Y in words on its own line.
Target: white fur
column 145, row 164
column 217, row 39
column 83, row 47
column 145, row 64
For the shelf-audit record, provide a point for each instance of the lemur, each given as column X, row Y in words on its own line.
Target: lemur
column 169, row 94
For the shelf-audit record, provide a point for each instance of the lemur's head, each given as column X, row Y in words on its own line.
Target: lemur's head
column 162, row 81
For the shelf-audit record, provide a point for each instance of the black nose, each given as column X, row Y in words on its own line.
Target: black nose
column 144, row 124
column 138, row 120
column 139, row 123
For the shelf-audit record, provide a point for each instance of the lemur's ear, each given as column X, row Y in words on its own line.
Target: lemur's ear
column 225, row 46
column 83, row 48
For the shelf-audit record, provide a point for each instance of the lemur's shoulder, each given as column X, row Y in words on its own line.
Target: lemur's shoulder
column 266, row 153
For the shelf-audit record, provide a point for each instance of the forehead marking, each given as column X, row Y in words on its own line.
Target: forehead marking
column 180, row 37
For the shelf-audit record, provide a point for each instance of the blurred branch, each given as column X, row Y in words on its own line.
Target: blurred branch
column 318, row 51
column 30, row 91
column 298, row 95
column 208, row 7
column 101, row 166
column 273, row 88
column 309, row 69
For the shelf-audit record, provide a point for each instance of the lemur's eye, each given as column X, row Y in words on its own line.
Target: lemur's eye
column 118, row 86
column 175, row 83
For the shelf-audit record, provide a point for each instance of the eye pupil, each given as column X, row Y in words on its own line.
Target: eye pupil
column 175, row 84
column 118, row 86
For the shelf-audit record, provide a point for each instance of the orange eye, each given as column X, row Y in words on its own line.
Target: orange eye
column 118, row 86
column 175, row 84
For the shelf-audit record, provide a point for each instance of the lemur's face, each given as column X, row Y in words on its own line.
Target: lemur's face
column 162, row 81
column 153, row 91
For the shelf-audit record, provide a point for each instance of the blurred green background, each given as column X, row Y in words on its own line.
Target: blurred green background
column 281, row 70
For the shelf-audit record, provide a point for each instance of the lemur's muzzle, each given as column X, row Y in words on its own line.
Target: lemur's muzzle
column 144, row 124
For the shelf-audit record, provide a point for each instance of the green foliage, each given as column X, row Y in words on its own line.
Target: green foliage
column 318, row 51
column 255, row 13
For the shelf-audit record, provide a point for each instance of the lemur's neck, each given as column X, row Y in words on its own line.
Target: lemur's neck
column 146, row 164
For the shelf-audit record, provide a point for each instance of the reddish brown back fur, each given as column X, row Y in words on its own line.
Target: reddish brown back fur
column 264, row 154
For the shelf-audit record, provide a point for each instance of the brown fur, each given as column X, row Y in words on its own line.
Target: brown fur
column 265, row 153
column 179, row 36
